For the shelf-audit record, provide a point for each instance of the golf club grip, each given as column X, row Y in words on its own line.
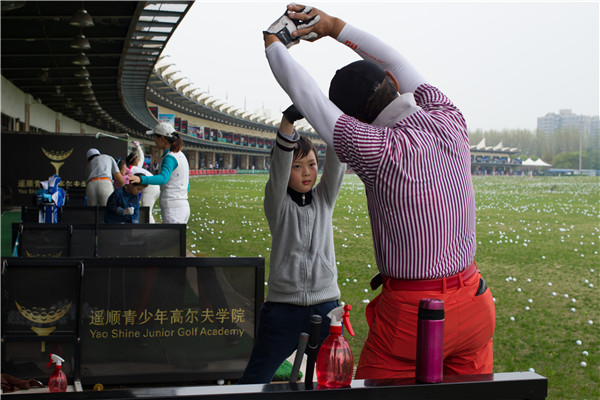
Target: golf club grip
column 313, row 343
column 302, row 342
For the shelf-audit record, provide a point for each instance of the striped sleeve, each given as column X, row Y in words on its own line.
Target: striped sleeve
column 360, row 145
column 442, row 112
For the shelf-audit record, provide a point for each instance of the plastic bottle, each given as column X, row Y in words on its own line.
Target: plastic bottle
column 58, row 379
column 335, row 362
column 430, row 341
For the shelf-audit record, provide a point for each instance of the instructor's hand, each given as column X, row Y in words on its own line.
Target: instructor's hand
column 325, row 26
column 284, row 26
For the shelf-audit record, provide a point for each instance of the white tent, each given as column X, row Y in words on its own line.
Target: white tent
column 528, row 162
column 540, row 163
column 537, row 163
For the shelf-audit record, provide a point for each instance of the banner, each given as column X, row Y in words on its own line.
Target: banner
column 28, row 159
column 197, row 131
column 170, row 118
column 140, row 320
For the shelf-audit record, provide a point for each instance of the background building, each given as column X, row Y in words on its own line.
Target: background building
column 588, row 126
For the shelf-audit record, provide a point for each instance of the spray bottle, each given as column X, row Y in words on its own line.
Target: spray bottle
column 335, row 363
column 58, row 379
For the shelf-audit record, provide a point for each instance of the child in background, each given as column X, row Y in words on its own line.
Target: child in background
column 126, row 172
column 150, row 193
column 303, row 275
column 123, row 205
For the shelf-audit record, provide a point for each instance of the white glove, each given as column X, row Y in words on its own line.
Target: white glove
column 128, row 211
column 284, row 26
column 308, row 23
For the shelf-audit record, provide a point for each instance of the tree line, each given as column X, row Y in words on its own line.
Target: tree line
column 560, row 148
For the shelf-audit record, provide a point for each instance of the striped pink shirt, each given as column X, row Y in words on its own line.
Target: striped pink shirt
column 420, row 195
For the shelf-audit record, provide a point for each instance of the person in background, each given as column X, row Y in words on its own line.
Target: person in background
column 125, row 172
column 100, row 172
column 409, row 145
column 303, row 274
column 139, row 152
column 123, row 205
column 150, row 193
column 173, row 177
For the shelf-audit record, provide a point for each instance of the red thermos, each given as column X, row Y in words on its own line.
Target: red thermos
column 430, row 341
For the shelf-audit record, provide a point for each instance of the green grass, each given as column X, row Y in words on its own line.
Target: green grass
column 530, row 232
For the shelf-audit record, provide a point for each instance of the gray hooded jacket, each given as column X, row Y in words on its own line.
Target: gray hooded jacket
column 302, row 267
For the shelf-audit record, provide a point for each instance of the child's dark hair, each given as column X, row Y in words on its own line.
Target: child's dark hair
column 139, row 175
column 305, row 146
column 131, row 159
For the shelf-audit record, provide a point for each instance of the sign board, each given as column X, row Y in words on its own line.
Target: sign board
column 28, row 159
column 131, row 320
column 170, row 118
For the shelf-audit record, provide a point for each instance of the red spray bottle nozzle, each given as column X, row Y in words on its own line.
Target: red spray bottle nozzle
column 55, row 359
column 346, row 319
column 339, row 316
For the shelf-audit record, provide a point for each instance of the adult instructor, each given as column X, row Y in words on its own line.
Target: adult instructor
column 409, row 144
column 173, row 177
column 101, row 171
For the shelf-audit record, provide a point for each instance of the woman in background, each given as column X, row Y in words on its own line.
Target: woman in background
column 173, row 177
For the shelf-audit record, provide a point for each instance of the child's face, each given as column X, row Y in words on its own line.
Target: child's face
column 135, row 190
column 303, row 175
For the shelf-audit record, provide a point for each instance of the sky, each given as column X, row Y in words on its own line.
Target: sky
column 502, row 63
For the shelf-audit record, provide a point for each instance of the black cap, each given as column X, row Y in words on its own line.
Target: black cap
column 352, row 85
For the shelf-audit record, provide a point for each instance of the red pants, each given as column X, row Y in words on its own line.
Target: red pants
column 390, row 348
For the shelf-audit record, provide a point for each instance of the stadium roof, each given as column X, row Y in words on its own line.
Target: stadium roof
column 169, row 88
column 93, row 72
column 481, row 146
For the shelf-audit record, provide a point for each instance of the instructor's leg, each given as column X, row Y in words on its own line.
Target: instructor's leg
column 471, row 336
column 390, row 349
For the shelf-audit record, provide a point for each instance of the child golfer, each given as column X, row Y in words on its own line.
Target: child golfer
column 303, row 275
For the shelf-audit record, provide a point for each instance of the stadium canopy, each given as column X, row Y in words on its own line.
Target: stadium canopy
column 481, row 146
column 90, row 61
